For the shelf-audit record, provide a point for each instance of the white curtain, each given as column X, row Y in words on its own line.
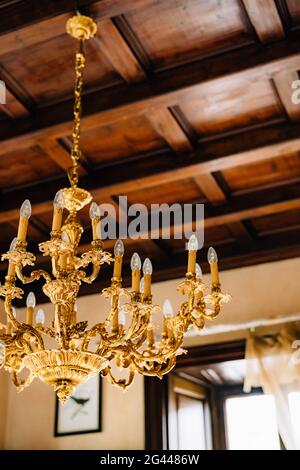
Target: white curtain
column 273, row 363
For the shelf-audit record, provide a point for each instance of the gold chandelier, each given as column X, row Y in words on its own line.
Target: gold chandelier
column 126, row 337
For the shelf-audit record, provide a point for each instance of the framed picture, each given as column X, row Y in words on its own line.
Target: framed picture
column 82, row 412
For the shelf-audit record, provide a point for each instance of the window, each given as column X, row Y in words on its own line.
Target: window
column 251, row 423
column 188, row 416
column 294, row 403
column 191, row 423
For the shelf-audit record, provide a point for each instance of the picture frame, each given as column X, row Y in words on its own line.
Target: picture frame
column 82, row 413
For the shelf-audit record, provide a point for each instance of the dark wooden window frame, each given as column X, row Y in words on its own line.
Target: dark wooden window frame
column 156, row 391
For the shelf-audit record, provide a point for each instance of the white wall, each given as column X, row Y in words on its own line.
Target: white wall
column 3, row 406
column 30, row 421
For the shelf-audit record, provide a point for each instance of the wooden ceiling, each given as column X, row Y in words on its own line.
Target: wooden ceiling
column 185, row 101
column 220, row 374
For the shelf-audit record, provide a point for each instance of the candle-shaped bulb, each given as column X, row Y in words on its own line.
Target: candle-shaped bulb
column 142, row 285
column 94, row 210
column 30, row 301
column 135, row 262
column 193, row 243
column 122, row 318
column 14, row 311
column 65, row 238
column 40, row 316
column 13, row 244
column 212, row 256
column 59, row 200
column 75, row 307
column 147, row 266
column 119, row 248
column 167, row 308
column 25, row 210
column 198, row 270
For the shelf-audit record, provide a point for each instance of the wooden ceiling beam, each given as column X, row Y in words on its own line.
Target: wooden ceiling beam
column 261, row 144
column 57, row 153
column 60, row 153
column 118, row 52
column 13, row 108
column 32, row 34
column 242, row 235
column 210, row 188
column 215, row 194
column 18, row 101
column 166, row 88
column 265, row 19
column 265, row 204
column 165, row 124
column 283, row 85
column 25, row 13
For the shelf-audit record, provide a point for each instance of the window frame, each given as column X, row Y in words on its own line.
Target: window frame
column 179, row 386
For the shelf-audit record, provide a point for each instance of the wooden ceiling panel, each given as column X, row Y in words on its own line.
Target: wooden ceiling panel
column 25, row 166
column 46, row 71
column 241, row 103
column 216, row 236
column 36, row 232
column 223, row 373
column 178, row 192
column 120, row 140
column 294, row 11
column 280, row 222
column 174, row 31
column 7, row 234
column 187, row 101
column 268, row 172
column 13, row 107
column 44, row 219
column 34, row 34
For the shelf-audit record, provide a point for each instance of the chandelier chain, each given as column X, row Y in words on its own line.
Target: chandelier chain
column 76, row 151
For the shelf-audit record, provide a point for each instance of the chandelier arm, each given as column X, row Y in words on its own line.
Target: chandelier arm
column 138, row 323
column 136, row 328
column 157, row 371
column 55, row 266
column 88, row 335
column 34, row 275
column 93, row 276
column 141, row 340
column 153, row 357
column 46, row 331
column 129, row 334
column 22, row 384
column 215, row 313
column 121, row 383
column 28, row 330
column 9, row 311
